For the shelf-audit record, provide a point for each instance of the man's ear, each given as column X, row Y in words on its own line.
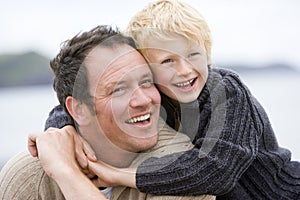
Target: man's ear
column 78, row 110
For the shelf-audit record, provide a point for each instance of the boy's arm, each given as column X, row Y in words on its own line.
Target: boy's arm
column 215, row 171
column 58, row 118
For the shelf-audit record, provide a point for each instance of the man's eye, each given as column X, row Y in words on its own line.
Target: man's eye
column 147, row 83
column 118, row 91
column 167, row 61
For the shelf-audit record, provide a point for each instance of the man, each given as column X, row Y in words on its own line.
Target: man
column 107, row 88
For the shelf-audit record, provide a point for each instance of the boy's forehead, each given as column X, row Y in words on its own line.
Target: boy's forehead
column 177, row 44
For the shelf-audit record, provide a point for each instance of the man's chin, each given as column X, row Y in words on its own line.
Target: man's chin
column 148, row 143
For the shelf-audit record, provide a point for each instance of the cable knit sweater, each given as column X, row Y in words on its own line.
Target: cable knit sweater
column 236, row 154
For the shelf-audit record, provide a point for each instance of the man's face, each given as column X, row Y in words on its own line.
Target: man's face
column 126, row 101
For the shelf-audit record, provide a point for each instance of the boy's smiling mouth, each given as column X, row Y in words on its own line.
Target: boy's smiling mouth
column 186, row 84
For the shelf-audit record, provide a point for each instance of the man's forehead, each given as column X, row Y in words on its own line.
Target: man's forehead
column 102, row 57
column 102, row 63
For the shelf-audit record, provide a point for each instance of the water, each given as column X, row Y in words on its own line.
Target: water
column 280, row 96
column 24, row 110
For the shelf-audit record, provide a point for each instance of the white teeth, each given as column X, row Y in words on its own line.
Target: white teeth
column 185, row 83
column 139, row 119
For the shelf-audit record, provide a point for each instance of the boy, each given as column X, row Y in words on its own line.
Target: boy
column 236, row 154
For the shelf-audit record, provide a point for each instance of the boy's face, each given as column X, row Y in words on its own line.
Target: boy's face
column 179, row 67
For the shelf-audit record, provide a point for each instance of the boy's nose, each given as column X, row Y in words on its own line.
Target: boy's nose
column 184, row 68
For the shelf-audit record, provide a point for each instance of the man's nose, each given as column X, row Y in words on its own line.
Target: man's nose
column 140, row 98
column 184, row 68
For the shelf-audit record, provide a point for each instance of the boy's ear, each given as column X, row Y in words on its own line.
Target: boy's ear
column 209, row 63
column 77, row 110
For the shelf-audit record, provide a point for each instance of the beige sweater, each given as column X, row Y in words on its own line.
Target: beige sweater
column 24, row 178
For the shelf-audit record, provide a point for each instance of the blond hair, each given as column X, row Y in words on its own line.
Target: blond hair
column 164, row 19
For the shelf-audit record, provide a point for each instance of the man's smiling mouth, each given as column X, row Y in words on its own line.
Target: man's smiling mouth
column 139, row 119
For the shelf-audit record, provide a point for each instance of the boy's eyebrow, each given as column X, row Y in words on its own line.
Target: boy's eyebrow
column 159, row 59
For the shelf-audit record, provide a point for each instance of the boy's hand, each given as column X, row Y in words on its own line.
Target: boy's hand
column 109, row 176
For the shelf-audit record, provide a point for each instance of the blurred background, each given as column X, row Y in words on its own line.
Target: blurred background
column 258, row 39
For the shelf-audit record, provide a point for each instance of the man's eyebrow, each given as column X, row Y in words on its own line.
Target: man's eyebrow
column 148, row 74
column 113, row 84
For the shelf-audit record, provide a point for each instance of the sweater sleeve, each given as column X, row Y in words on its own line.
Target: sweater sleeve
column 58, row 118
column 220, row 155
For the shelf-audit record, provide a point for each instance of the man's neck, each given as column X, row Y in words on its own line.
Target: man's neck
column 116, row 157
column 108, row 152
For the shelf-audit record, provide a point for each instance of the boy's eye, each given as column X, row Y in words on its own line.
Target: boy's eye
column 193, row 54
column 167, row 61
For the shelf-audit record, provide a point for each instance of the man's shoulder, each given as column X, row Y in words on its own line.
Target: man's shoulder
column 169, row 137
column 23, row 177
column 21, row 166
column 169, row 142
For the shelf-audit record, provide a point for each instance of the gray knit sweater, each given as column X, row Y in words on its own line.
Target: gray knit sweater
column 236, row 154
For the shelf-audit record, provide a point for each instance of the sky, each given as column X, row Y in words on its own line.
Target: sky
column 253, row 32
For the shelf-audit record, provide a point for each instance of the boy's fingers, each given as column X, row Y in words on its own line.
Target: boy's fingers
column 88, row 150
column 31, row 144
column 79, row 152
column 81, row 159
column 86, row 147
column 88, row 173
